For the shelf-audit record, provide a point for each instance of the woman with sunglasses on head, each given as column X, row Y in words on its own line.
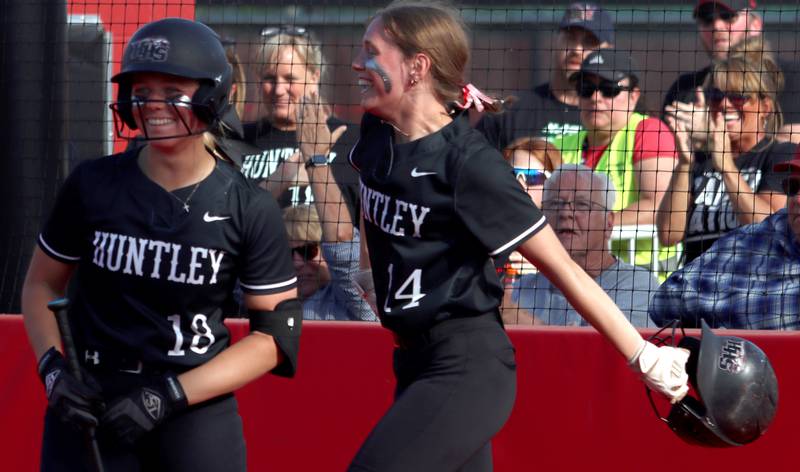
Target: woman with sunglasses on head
column 438, row 204
column 291, row 70
column 733, row 184
column 159, row 235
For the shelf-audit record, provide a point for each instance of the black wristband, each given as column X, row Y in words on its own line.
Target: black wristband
column 175, row 393
column 46, row 359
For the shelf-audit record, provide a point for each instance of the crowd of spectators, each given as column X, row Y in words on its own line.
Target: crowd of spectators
column 711, row 173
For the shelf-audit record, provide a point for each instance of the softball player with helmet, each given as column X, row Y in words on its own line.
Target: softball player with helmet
column 438, row 203
column 160, row 234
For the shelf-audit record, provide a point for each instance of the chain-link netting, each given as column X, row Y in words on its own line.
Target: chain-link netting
column 656, row 138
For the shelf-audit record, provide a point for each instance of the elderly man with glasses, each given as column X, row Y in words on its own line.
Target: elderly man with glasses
column 749, row 278
column 577, row 203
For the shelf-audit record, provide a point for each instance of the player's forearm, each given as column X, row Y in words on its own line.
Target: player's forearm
column 652, row 179
column 333, row 214
column 40, row 323
column 363, row 259
column 45, row 281
column 285, row 176
column 235, row 367
column 639, row 213
column 672, row 212
column 643, row 211
column 748, row 206
column 279, row 181
column 546, row 252
column 597, row 308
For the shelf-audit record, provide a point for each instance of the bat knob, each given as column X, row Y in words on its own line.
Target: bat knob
column 58, row 304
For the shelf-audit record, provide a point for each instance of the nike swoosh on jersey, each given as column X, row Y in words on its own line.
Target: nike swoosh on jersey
column 416, row 173
column 210, row 219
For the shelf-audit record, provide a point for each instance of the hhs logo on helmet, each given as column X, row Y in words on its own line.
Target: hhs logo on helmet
column 148, row 50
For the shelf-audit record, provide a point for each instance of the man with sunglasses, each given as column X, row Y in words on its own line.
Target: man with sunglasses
column 551, row 108
column 723, row 26
column 577, row 204
column 747, row 279
column 636, row 151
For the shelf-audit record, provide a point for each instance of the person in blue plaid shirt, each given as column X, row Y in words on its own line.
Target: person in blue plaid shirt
column 749, row 278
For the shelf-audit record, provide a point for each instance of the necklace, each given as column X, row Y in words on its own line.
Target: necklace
column 185, row 203
column 396, row 128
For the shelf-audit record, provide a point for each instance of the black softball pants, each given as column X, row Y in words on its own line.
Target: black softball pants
column 456, row 386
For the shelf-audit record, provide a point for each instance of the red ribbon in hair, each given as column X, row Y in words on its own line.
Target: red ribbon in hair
column 473, row 97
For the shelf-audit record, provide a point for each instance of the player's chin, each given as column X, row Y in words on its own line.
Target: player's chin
column 283, row 112
column 369, row 103
column 167, row 141
column 175, row 131
column 377, row 109
column 597, row 120
column 374, row 102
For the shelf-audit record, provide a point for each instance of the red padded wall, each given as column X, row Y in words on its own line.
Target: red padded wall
column 578, row 407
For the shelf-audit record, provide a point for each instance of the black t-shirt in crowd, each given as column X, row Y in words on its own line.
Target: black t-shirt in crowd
column 712, row 213
column 436, row 211
column 683, row 89
column 276, row 146
column 153, row 277
column 535, row 113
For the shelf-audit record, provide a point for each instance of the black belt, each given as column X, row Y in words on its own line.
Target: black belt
column 445, row 328
column 94, row 359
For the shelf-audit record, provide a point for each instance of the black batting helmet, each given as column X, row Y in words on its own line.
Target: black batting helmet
column 182, row 48
column 737, row 392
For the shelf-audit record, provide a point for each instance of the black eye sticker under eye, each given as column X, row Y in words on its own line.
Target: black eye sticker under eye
column 181, row 101
column 375, row 67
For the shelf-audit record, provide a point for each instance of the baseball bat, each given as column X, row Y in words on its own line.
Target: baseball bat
column 59, row 308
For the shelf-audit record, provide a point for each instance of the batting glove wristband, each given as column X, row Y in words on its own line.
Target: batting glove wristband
column 77, row 403
column 663, row 369
column 131, row 416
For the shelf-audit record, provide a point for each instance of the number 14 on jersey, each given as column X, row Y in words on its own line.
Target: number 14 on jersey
column 411, row 290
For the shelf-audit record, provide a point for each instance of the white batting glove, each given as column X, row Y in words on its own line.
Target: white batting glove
column 663, row 369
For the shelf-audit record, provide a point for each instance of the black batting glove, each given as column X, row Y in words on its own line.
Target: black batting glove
column 77, row 403
column 131, row 416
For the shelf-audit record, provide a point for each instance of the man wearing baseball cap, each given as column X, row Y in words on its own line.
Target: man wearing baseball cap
column 551, row 109
column 725, row 27
column 747, row 279
column 638, row 152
